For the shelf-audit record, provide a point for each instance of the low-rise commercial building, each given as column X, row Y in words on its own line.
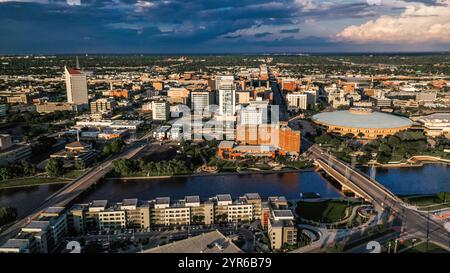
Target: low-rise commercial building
column 50, row 107
column 102, row 105
column 10, row 152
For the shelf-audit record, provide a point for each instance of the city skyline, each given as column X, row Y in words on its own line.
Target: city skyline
column 167, row 27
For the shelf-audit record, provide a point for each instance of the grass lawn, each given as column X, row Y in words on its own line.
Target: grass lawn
column 423, row 200
column 422, row 248
column 327, row 211
column 30, row 181
column 74, row 174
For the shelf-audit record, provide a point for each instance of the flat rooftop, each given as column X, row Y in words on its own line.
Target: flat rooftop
column 192, row 199
column 15, row 243
column 224, row 197
column 252, row 196
column 99, row 203
column 226, row 144
column 54, row 210
column 162, row 200
column 37, row 225
column 130, row 202
column 275, row 199
column 211, row 242
column 283, row 213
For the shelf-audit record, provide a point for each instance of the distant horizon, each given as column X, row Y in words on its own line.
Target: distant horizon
column 232, row 53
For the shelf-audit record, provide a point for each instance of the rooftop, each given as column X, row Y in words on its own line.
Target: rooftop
column 192, row 199
column 224, row 197
column 283, row 213
column 129, row 202
column 99, row 203
column 226, row 144
column 37, row 225
column 252, row 196
column 73, row 71
column 211, row 242
column 55, row 210
column 162, row 200
column 15, row 243
column 367, row 120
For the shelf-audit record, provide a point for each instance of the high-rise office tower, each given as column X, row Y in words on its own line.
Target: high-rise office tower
column 76, row 86
column 297, row 100
column 160, row 110
column 199, row 101
column 227, row 95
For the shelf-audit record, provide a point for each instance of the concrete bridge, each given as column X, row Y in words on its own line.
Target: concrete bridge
column 383, row 199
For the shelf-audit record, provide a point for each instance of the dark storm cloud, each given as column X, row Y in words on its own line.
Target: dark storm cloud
column 62, row 26
column 292, row 30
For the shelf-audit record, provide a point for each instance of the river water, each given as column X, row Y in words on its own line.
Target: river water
column 428, row 179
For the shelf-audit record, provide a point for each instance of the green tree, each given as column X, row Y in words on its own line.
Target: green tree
column 106, row 150
column 116, row 145
column 79, row 165
column 27, row 168
column 54, row 167
column 7, row 215
column 5, row 173
column 444, row 196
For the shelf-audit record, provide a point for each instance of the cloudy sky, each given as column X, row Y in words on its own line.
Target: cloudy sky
column 223, row 26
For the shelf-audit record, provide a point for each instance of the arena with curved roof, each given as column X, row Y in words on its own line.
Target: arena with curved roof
column 362, row 122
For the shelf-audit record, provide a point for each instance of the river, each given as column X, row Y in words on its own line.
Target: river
column 431, row 178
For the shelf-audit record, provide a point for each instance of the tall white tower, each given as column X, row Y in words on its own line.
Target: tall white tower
column 227, row 95
column 76, row 86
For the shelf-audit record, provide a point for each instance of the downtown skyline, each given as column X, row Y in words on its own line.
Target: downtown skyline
column 167, row 27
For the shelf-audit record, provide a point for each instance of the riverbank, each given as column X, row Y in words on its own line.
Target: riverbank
column 210, row 174
column 429, row 202
column 31, row 181
column 412, row 162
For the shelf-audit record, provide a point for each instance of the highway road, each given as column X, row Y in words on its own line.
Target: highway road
column 412, row 220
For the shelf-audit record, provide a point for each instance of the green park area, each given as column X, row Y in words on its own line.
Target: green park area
column 429, row 202
column 424, row 248
column 395, row 148
column 30, row 181
column 327, row 211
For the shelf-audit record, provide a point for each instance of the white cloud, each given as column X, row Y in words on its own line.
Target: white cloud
column 141, row 6
column 307, row 4
column 73, row 2
column 418, row 23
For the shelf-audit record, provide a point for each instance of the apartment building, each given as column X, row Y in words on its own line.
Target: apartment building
column 102, row 105
column 221, row 203
column 129, row 213
column 227, row 95
column 200, row 101
column 10, row 152
column 281, row 229
column 240, row 211
column 178, row 95
column 255, row 200
column 297, row 100
column 42, row 235
column 112, row 219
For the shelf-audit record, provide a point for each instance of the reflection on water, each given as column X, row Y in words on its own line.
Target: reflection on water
column 287, row 184
column 26, row 199
column 431, row 178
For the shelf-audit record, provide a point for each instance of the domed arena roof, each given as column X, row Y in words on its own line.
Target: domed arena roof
column 357, row 118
